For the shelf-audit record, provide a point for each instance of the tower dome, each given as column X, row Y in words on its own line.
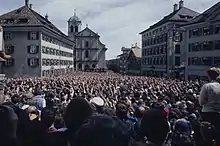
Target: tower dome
column 75, row 17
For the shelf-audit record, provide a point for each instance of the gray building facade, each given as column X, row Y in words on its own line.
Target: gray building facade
column 161, row 52
column 89, row 51
column 36, row 46
column 201, row 43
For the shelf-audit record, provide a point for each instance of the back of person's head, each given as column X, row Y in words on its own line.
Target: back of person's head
column 139, row 112
column 47, row 117
column 8, row 122
column 100, row 130
column 121, row 110
column 155, row 126
column 213, row 73
column 77, row 111
column 15, row 99
column 182, row 126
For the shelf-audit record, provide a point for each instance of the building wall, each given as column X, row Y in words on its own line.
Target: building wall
column 57, row 47
column 96, row 52
column 214, row 51
column 20, row 55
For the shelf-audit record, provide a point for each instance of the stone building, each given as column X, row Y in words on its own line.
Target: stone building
column 89, row 51
column 201, row 44
column 161, row 51
column 36, row 46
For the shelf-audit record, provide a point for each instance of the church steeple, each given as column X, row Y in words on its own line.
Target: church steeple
column 74, row 25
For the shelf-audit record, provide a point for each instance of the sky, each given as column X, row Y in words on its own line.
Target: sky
column 118, row 22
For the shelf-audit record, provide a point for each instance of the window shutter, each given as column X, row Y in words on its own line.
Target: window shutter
column 12, row 49
column 28, row 61
column 37, row 49
column 29, row 49
column 12, row 62
column 29, row 35
column 37, row 35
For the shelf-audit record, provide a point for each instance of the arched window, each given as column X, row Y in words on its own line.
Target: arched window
column 71, row 28
column 76, row 29
column 87, row 54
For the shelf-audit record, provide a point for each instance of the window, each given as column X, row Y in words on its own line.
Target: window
column 207, row 61
column 33, row 49
column 216, row 61
column 71, row 28
column 76, row 29
column 217, row 45
column 217, row 29
column 177, row 49
column 9, row 62
column 190, row 48
column 189, row 61
column 8, row 36
column 207, row 30
column 44, row 62
column 196, row 47
column 33, row 36
column 44, row 49
column 9, row 49
column 33, row 62
column 9, row 21
column 22, row 20
column 177, row 61
column 87, row 44
column 207, row 46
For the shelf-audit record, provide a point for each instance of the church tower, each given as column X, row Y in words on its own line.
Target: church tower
column 74, row 26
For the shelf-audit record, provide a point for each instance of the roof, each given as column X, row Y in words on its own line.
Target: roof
column 87, row 32
column 24, row 16
column 205, row 15
column 174, row 16
column 74, row 17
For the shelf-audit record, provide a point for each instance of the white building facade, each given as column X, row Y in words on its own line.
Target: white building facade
column 202, row 43
column 36, row 46
column 89, row 51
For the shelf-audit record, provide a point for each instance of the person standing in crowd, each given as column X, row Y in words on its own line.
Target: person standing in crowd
column 209, row 99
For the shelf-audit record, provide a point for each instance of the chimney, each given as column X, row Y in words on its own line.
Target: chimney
column 175, row 7
column 31, row 6
column 27, row 3
column 46, row 16
column 181, row 4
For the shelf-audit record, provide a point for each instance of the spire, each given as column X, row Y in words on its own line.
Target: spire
column 46, row 16
column 87, row 25
column 27, row 3
column 74, row 12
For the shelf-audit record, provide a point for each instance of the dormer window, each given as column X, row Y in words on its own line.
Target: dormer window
column 23, row 20
column 9, row 21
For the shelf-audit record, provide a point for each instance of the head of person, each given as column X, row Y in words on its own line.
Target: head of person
column 121, row 110
column 213, row 73
column 8, row 122
column 155, row 126
column 101, row 130
column 47, row 117
column 77, row 111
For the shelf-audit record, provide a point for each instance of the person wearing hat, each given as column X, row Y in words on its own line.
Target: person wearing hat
column 209, row 99
column 98, row 103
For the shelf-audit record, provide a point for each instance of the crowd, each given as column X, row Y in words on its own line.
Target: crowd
column 97, row 109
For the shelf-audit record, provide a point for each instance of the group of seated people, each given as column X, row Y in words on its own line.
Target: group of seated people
column 96, row 109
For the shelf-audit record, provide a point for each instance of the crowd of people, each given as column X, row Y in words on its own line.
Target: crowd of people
column 97, row 109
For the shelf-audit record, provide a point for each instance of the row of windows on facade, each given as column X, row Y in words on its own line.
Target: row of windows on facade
column 30, row 36
column 32, row 62
column 160, row 61
column 154, row 32
column 31, row 49
column 209, row 30
column 55, row 41
column 155, row 61
column 204, row 46
column 154, row 51
column 86, row 54
column 208, row 61
column 51, row 62
column 53, row 72
column 15, row 21
column 52, row 51
column 155, row 40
